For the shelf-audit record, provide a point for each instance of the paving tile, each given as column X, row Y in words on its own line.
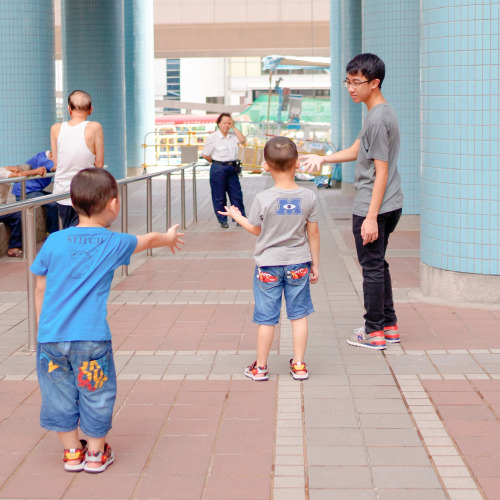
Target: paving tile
column 342, row 494
column 406, row 477
column 490, row 486
column 38, row 485
column 391, row 437
column 469, row 413
column 386, row 421
column 398, row 456
column 334, row 437
column 178, row 487
column 415, row 494
column 336, row 455
column 237, row 488
column 478, row 445
column 380, row 406
column 339, row 477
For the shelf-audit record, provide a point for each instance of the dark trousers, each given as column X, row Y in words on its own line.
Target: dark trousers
column 13, row 221
column 51, row 210
column 377, row 285
column 223, row 179
column 68, row 216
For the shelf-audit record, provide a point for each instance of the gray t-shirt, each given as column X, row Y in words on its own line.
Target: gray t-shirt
column 283, row 215
column 379, row 140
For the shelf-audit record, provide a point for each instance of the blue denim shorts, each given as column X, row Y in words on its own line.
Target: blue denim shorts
column 78, row 385
column 269, row 284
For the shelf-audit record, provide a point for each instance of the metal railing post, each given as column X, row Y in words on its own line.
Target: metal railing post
column 183, row 200
column 195, row 201
column 30, row 250
column 149, row 210
column 23, row 219
column 123, row 194
column 169, row 200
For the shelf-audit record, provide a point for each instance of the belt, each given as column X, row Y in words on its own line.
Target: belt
column 224, row 162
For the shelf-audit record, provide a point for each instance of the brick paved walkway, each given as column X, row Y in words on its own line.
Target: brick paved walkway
column 419, row 420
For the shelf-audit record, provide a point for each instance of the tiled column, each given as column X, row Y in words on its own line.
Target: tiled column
column 391, row 30
column 139, row 76
column 27, row 79
column 93, row 61
column 460, row 223
column 351, row 112
column 336, row 72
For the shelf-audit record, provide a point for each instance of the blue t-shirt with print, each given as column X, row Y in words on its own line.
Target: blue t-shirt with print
column 79, row 263
column 39, row 160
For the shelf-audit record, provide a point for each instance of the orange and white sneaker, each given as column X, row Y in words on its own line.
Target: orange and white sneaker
column 391, row 334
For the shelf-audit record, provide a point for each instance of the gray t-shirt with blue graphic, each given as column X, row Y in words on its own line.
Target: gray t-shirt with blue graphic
column 379, row 140
column 283, row 215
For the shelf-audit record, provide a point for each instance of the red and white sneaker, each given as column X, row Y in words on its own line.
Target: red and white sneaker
column 391, row 334
column 257, row 373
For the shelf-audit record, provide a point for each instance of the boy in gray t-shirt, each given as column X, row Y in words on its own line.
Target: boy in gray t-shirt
column 284, row 218
column 378, row 200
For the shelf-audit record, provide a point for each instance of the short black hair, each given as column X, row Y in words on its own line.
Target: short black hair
column 280, row 153
column 369, row 65
column 91, row 189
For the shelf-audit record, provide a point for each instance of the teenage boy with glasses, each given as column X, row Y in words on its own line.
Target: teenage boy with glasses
column 378, row 200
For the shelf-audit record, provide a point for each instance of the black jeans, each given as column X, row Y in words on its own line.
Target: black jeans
column 377, row 285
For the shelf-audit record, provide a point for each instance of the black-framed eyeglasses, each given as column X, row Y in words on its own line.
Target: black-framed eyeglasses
column 346, row 83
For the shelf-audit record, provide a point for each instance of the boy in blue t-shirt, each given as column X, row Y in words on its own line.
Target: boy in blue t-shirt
column 75, row 364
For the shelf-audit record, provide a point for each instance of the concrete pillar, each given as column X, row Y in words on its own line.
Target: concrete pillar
column 139, row 76
column 391, row 30
column 351, row 112
column 93, row 60
column 460, row 221
column 27, row 76
column 336, row 73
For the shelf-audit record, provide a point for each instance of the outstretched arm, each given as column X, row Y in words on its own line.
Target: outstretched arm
column 313, row 163
column 170, row 239
column 25, row 173
column 235, row 214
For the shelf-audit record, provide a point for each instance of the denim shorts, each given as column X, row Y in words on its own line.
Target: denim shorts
column 270, row 282
column 78, row 385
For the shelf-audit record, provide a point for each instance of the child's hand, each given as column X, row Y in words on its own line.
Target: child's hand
column 313, row 275
column 174, row 241
column 231, row 211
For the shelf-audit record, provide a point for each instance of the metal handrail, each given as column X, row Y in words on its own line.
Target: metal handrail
column 28, row 207
column 23, row 180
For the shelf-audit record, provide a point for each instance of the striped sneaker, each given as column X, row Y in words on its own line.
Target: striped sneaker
column 374, row 340
column 391, row 334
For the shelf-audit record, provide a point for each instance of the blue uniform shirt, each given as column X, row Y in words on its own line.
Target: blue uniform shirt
column 79, row 263
column 39, row 160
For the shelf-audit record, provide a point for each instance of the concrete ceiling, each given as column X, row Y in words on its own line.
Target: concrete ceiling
column 224, row 28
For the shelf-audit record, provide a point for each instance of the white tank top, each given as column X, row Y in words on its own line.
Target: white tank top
column 73, row 155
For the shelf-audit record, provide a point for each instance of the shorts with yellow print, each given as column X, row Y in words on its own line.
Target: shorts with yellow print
column 78, row 386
